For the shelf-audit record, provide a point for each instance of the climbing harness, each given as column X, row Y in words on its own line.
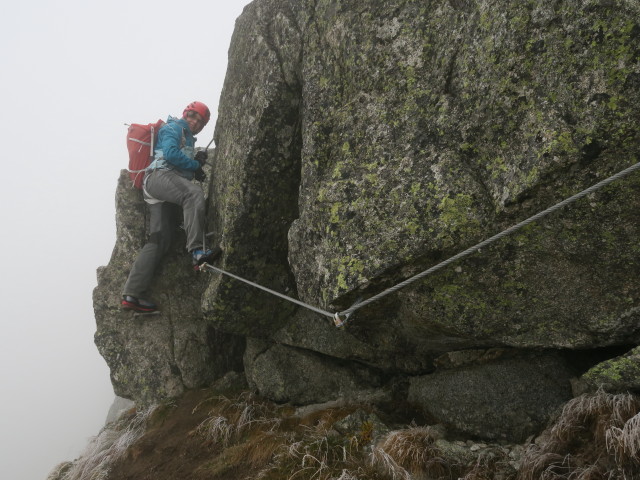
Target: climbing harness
column 340, row 318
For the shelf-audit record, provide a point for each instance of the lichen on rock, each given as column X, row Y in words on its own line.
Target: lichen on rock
column 360, row 143
column 616, row 375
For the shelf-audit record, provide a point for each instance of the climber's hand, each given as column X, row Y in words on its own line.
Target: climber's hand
column 201, row 157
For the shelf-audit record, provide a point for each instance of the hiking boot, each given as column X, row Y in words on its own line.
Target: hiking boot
column 205, row 256
column 138, row 304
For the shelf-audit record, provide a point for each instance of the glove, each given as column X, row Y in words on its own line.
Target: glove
column 200, row 175
column 201, row 157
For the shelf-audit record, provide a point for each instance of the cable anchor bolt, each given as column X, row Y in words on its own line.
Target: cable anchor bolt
column 202, row 267
column 338, row 321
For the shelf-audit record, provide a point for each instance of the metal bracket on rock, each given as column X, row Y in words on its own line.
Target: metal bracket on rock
column 337, row 318
column 338, row 322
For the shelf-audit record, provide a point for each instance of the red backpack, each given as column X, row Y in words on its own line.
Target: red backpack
column 141, row 140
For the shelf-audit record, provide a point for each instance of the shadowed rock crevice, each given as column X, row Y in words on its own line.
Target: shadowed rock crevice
column 302, row 377
column 256, row 177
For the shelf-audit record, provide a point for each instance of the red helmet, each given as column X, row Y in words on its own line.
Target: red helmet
column 199, row 107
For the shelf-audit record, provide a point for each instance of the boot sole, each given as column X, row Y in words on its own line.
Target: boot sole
column 137, row 308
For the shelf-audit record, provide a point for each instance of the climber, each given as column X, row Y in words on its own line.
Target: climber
column 168, row 188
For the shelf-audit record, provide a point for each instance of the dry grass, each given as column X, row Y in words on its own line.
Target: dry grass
column 316, row 453
column 59, row 471
column 624, row 442
column 596, row 437
column 276, row 445
column 110, row 445
column 388, row 465
column 412, row 452
column 230, row 420
column 487, row 465
column 594, row 415
column 265, row 437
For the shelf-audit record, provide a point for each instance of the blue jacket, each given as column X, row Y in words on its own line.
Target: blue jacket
column 175, row 148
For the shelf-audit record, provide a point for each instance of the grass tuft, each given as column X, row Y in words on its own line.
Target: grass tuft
column 415, row 451
column 109, row 446
column 487, row 465
column 624, row 442
column 388, row 465
column 230, row 420
column 596, row 437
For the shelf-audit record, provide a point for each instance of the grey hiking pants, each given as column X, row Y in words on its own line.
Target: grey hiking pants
column 176, row 192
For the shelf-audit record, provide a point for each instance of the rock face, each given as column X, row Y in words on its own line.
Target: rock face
column 506, row 399
column 153, row 357
column 617, row 375
column 285, row 374
column 358, row 143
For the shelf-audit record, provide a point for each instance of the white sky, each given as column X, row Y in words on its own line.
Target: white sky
column 72, row 72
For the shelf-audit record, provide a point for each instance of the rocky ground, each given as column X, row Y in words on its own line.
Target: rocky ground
column 226, row 432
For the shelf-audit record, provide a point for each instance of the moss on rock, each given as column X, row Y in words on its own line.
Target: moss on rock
column 617, row 375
